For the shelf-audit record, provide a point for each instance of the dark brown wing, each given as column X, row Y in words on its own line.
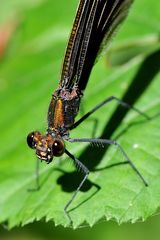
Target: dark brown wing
column 74, row 43
column 95, row 22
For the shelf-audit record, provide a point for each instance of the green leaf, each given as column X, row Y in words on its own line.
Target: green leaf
column 29, row 74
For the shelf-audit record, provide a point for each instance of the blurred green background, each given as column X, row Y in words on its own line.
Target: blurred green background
column 33, row 35
column 107, row 230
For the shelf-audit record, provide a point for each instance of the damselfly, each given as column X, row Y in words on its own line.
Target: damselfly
column 94, row 24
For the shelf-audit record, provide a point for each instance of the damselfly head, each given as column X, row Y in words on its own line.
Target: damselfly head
column 46, row 146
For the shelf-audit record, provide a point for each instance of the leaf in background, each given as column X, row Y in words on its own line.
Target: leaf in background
column 126, row 52
column 28, row 77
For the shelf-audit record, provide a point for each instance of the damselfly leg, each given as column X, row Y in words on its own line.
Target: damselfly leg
column 107, row 100
column 85, row 171
column 103, row 142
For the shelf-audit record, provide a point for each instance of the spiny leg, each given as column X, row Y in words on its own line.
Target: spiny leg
column 107, row 100
column 37, row 175
column 85, row 170
column 37, row 186
column 93, row 119
column 111, row 142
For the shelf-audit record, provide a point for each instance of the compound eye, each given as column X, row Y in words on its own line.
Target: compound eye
column 31, row 141
column 58, row 148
